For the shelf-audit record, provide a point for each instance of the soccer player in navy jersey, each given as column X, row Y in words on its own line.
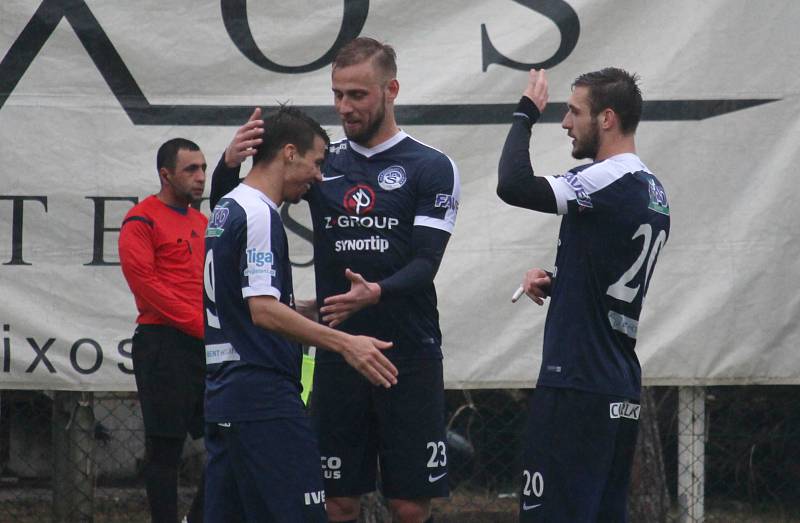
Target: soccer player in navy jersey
column 263, row 460
column 382, row 217
column 583, row 415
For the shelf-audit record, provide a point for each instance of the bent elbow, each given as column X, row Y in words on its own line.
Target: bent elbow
column 502, row 192
column 506, row 192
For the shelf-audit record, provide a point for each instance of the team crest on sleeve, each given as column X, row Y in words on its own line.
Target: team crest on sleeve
column 580, row 193
column 392, row 178
column 658, row 198
column 217, row 222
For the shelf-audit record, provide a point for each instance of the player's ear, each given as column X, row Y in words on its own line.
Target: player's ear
column 392, row 89
column 608, row 119
column 289, row 152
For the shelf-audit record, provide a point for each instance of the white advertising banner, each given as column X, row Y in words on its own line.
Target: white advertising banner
column 89, row 89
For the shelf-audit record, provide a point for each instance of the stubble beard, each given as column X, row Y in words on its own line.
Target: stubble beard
column 367, row 134
column 589, row 146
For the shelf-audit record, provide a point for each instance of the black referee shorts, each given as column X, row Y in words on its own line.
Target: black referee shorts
column 170, row 369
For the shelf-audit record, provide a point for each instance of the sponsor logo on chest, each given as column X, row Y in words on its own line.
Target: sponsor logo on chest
column 367, row 222
column 359, row 200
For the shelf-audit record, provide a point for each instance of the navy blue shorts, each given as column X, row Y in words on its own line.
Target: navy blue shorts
column 578, row 455
column 170, row 371
column 266, row 471
column 403, row 427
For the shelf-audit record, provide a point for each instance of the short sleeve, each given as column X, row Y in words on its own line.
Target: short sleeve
column 439, row 193
column 257, row 259
column 591, row 188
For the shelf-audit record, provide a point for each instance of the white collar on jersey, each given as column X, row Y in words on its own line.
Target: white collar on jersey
column 388, row 144
column 630, row 161
column 260, row 195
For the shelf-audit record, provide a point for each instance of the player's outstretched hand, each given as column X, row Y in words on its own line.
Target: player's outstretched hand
column 536, row 89
column 364, row 355
column 246, row 140
column 362, row 293
column 536, row 285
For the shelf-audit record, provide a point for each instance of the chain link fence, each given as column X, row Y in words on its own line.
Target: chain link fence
column 721, row 454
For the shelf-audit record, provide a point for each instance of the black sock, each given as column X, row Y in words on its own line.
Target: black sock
column 429, row 520
column 161, row 459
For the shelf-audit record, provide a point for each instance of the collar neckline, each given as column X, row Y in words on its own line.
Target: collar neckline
column 372, row 151
column 263, row 197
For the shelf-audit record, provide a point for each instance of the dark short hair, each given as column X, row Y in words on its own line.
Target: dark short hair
column 615, row 89
column 363, row 48
column 288, row 125
column 167, row 154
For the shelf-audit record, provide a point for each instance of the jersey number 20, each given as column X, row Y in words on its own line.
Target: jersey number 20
column 620, row 289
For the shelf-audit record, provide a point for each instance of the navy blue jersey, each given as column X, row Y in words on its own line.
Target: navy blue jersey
column 364, row 212
column 616, row 222
column 252, row 373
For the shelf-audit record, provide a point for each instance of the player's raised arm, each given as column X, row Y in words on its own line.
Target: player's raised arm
column 243, row 145
column 516, row 183
column 245, row 141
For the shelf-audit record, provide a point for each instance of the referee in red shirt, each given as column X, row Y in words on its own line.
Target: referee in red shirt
column 161, row 253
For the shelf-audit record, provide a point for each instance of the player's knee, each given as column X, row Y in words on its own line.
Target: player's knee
column 342, row 509
column 410, row 510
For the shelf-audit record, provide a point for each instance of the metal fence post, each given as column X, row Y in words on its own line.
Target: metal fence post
column 691, row 453
column 73, row 457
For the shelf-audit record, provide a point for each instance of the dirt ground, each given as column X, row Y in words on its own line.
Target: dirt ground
column 129, row 505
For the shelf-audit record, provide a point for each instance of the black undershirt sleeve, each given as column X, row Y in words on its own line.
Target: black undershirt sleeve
column 516, row 183
column 428, row 246
column 224, row 180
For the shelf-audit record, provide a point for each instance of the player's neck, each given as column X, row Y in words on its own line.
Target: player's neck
column 386, row 131
column 267, row 182
column 618, row 145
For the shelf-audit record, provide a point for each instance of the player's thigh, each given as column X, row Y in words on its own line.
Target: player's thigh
column 222, row 500
column 413, row 446
column 275, row 466
column 614, row 503
column 341, row 410
column 568, row 454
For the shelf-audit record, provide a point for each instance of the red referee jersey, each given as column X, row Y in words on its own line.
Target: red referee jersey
column 161, row 252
